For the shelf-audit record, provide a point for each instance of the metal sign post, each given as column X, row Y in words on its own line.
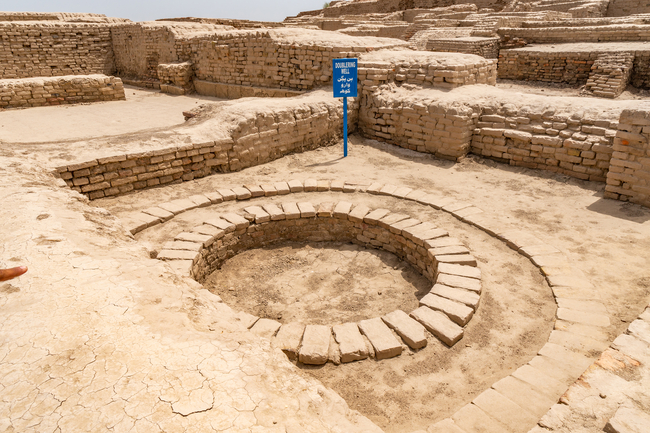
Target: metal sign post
column 344, row 77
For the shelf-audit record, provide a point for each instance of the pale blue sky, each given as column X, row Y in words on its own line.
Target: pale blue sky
column 144, row 10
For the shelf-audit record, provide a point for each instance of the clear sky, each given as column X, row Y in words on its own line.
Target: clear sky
column 145, row 10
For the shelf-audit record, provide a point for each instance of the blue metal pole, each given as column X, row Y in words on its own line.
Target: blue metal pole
column 345, row 126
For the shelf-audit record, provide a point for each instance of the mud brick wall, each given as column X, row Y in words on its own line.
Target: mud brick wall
column 28, row 16
column 72, row 89
column 311, row 229
column 612, row 33
column 372, row 74
column 273, row 134
column 610, row 75
column 54, row 49
column 178, row 74
column 629, row 172
column 567, row 67
column 234, row 23
column 641, row 70
column 554, row 67
column 233, row 91
column 53, row 16
column 254, row 58
column 387, row 6
column 260, row 137
column 576, row 146
column 397, row 31
column 620, row 8
column 419, row 124
column 484, row 47
column 141, row 47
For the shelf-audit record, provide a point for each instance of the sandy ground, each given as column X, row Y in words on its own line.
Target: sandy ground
column 100, row 119
column 318, row 283
column 414, row 390
column 607, row 240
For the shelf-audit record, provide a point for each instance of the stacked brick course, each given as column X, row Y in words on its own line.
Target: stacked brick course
column 423, row 125
column 312, row 229
column 551, row 35
column 619, row 8
column 547, row 66
column 484, row 47
column 575, row 145
column 141, row 47
column 175, row 78
column 574, row 65
column 54, row 49
column 35, row 92
column 629, row 172
column 57, row 16
column 425, row 69
column 610, row 75
column 271, row 58
column 259, row 137
column 235, row 91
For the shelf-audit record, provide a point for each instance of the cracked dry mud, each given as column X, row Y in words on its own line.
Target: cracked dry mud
column 319, row 283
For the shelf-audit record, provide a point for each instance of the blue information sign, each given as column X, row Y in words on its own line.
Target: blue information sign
column 344, row 73
column 345, row 77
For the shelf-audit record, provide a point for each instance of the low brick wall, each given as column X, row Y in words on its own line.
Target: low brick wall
column 553, row 67
column 565, row 65
column 259, row 137
column 312, row 228
column 610, row 75
column 176, row 78
column 619, row 8
column 59, row 16
column 141, row 47
column 484, row 47
column 420, row 124
column 47, row 49
column 425, row 69
column 574, row 144
column 570, row 144
column 396, row 31
column 234, row 91
column 556, row 35
column 276, row 59
column 72, row 89
column 629, row 172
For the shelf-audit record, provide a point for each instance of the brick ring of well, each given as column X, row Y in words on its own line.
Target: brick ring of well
column 443, row 312
column 565, row 284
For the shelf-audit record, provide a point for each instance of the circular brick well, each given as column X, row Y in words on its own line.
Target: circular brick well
column 443, row 312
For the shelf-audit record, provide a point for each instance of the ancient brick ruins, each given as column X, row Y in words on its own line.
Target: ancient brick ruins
column 114, row 330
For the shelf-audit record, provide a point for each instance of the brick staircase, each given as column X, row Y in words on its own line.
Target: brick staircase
column 413, row 29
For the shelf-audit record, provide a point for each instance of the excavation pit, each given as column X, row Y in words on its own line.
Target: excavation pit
column 443, row 311
column 317, row 283
column 513, row 316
